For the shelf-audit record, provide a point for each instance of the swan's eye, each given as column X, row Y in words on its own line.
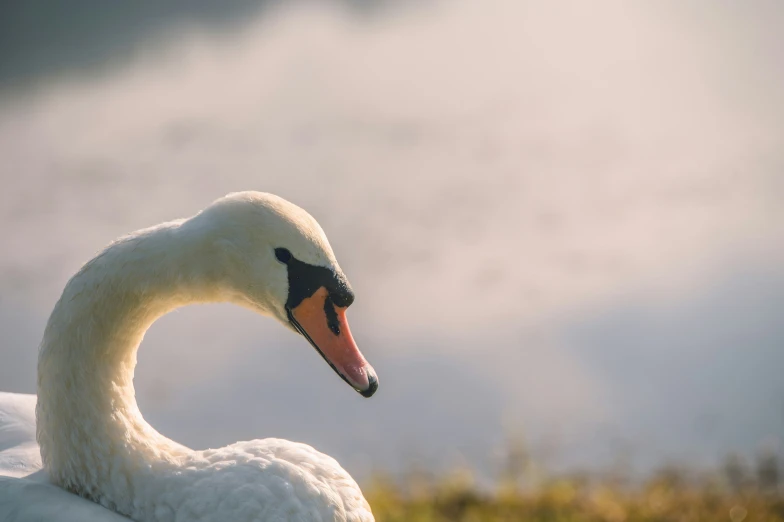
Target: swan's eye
column 283, row 255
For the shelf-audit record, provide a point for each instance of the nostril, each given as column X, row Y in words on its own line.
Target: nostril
column 332, row 316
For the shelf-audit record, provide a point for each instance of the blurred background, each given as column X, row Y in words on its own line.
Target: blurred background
column 563, row 220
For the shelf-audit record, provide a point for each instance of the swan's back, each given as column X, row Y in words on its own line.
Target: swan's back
column 243, row 474
column 19, row 454
column 272, row 480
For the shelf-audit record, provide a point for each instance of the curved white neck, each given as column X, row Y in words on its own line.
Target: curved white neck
column 89, row 425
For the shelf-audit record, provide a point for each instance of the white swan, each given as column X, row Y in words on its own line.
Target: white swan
column 253, row 249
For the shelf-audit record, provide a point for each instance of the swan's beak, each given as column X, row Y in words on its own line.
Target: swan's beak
column 325, row 326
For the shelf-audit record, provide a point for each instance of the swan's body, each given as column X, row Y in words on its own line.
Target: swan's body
column 26, row 495
column 252, row 249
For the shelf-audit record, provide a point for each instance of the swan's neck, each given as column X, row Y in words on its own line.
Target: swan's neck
column 89, row 426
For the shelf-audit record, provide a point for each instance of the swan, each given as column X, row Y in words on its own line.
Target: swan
column 253, row 249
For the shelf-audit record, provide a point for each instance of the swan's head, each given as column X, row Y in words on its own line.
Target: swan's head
column 275, row 258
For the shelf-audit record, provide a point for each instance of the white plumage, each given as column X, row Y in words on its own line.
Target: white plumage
column 94, row 441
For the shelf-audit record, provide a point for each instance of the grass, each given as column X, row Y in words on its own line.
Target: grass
column 734, row 495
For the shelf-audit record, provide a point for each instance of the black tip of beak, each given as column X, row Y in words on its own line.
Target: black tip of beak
column 372, row 386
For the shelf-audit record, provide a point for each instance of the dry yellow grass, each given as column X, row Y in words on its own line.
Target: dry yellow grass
column 665, row 497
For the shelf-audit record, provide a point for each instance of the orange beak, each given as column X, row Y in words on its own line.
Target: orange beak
column 325, row 326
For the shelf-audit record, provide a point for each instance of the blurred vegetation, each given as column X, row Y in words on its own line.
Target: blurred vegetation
column 738, row 491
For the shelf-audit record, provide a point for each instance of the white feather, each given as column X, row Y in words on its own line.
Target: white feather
column 93, row 440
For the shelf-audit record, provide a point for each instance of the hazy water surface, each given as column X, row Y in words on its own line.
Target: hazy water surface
column 559, row 219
